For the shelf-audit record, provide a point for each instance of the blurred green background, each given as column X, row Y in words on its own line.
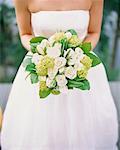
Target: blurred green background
column 12, row 52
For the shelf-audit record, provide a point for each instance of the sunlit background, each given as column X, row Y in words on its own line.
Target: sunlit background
column 12, row 53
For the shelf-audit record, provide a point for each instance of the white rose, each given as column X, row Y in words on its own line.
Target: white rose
column 79, row 54
column 50, row 83
column 69, row 52
column 78, row 66
column 61, row 70
column 42, row 78
column 51, row 40
column 36, row 58
column 52, row 72
column 61, row 80
column 58, row 45
column 78, row 50
column 72, row 60
column 70, row 72
column 68, row 35
column 75, row 58
column 60, row 62
column 81, row 57
column 44, row 43
column 40, row 50
column 54, row 51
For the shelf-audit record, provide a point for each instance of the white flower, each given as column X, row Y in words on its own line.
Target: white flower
column 51, row 40
column 54, row 51
column 50, row 83
column 79, row 54
column 52, row 72
column 58, row 45
column 60, row 62
column 61, row 70
column 40, row 50
column 75, row 57
column 36, row 58
column 71, row 60
column 78, row 66
column 69, row 52
column 68, row 35
column 78, row 57
column 41, row 47
column 78, row 50
column 44, row 43
column 70, row 72
column 61, row 80
column 42, row 78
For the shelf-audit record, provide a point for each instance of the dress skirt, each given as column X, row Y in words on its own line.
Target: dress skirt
column 76, row 120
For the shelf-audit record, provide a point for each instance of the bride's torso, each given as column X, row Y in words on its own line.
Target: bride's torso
column 46, row 23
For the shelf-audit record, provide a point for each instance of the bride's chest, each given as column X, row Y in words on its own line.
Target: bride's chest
column 37, row 5
column 48, row 22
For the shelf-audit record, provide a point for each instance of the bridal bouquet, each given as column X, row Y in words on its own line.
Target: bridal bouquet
column 60, row 62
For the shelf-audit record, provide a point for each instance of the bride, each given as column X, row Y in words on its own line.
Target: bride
column 77, row 120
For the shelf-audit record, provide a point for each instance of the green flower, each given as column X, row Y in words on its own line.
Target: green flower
column 74, row 40
column 41, row 70
column 82, row 73
column 87, row 62
column 43, row 85
column 59, row 36
column 45, row 63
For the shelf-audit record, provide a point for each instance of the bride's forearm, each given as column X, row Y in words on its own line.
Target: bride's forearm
column 93, row 38
column 25, row 39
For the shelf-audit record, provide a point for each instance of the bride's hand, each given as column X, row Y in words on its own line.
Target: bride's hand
column 94, row 28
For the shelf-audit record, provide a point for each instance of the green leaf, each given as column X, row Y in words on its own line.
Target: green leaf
column 44, row 93
column 31, row 68
column 72, row 31
column 75, row 83
column 37, row 39
column 86, row 85
column 86, row 47
column 83, row 85
column 34, row 78
column 95, row 59
column 79, row 79
column 71, row 88
column 26, row 62
column 64, row 43
column 33, row 47
column 55, row 92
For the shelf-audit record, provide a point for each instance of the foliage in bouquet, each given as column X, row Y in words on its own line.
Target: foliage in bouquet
column 60, row 62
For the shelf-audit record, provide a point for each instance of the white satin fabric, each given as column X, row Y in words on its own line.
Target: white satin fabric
column 76, row 120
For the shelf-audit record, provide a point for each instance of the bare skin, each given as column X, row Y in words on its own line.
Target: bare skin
column 25, row 8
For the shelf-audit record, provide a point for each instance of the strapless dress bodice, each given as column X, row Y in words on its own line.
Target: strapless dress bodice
column 46, row 23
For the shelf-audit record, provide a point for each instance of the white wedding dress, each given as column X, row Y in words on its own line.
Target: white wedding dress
column 77, row 120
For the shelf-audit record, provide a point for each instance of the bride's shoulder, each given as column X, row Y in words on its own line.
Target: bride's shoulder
column 20, row 3
column 97, row 2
